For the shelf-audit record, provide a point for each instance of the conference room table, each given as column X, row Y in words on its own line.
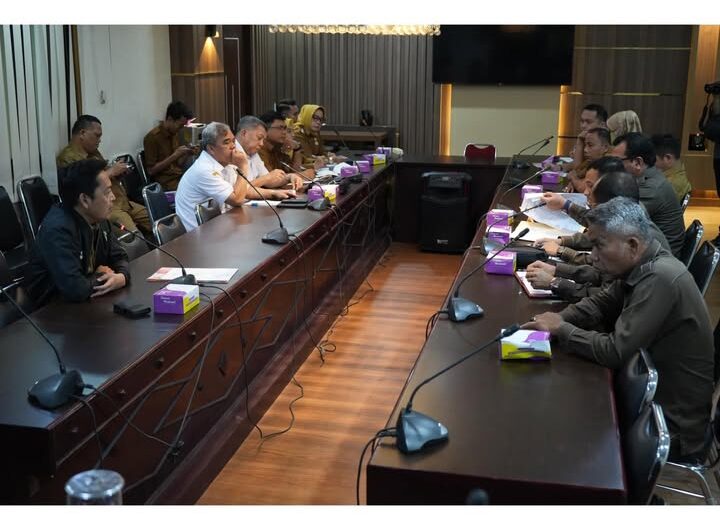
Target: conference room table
column 527, row 432
column 196, row 382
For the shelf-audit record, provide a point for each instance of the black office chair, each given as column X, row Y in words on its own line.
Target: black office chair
column 645, row 450
column 12, row 240
column 134, row 246
column 703, row 265
column 11, row 289
column 206, row 211
column 685, row 201
column 635, row 386
column 693, row 238
column 36, row 201
column 133, row 180
column 168, row 228
column 141, row 167
column 710, row 462
column 156, row 202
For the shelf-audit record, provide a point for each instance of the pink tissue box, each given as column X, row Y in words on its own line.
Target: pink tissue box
column 550, row 177
column 499, row 233
column 499, row 217
column 363, row 166
column 530, row 188
column 348, row 171
column 502, row 263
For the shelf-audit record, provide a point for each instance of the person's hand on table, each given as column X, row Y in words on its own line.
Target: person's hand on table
column 280, row 195
column 103, row 269
column 545, row 322
column 107, row 282
column 554, row 201
column 540, row 242
column 539, row 278
column 296, row 181
column 276, row 178
column 542, row 266
column 551, row 248
column 319, row 162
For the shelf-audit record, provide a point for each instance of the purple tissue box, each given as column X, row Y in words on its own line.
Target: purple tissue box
column 550, row 177
column 375, row 158
column 363, row 166
column 499, row 217
column 499, row 234
column 170, row 196
column 348, row 171
column 315, row 193
column 502, row 263
column 387, row 151
column 530, row 188
column 176, row 299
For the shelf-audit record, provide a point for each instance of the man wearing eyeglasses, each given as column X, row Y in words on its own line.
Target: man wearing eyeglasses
column 274, row 151
column 656, row 193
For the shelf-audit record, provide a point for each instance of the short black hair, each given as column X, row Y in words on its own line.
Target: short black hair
column 84, row 122
column 177, row 110
column 666, row 144
column 80, row 177
column 602, row 133
column 607, row 164
column 601, row 112
column 287, row 101
column 616, row 184
column 638, row 146
column 270, row 116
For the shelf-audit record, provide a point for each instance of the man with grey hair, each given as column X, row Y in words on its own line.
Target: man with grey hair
column 251, row 133
column 214, row 175
column 653, row 303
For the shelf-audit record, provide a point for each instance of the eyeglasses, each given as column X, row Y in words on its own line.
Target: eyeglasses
column 316, row 118
column 279, row 127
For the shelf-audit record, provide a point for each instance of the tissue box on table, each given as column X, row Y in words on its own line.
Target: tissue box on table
column 502, row 263
column 526, row 344
column 497, row 217
column 348, row 171
column 176, row 299
column 530, row 188
column 363, row 166
column 499, row 233
column 375, row 158
column 550, row 177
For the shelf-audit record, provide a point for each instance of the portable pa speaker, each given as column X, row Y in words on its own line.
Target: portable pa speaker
column 445, row 212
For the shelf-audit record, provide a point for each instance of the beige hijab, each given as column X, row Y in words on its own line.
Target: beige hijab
column 623, row 122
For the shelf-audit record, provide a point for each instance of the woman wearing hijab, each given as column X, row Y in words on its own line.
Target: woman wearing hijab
column 623, row 122
column 306, row 132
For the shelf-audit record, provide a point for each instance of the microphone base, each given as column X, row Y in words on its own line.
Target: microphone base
column 56, row 390
column 416, row 431
column 187, row 279
column 520, row 165
column 461, row 309
column 279, row 236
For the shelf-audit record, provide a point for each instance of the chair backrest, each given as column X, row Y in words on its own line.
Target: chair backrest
column 168, row 228
column 134, row 246
column 635, row 386
column 645, row 451
column 206, row 211
column 11, row 234
column 141, row 167
column 685, row 201
column 703, row 265
column 480, row 152
column 133, row 180
column 693, row 238
column 36, row 201
column 156, row 202
column 12, row 289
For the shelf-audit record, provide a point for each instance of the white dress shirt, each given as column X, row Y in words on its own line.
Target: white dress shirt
column 257, row 166
column 205, row 179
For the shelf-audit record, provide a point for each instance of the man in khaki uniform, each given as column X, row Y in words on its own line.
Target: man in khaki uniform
column 653, row 303
column 165, row 158
column 86, row 135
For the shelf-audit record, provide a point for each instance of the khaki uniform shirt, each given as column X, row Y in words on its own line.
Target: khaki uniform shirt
column 310, row 145
column 678, row 179
column 158, row 145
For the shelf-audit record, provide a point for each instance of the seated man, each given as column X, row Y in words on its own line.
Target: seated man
column 597, row 144
column 592, row 116
column 667, row 160
column 86, row 135
column 250, row 137
column 273, row 150
column 288, row 109
column 580, row 278
column 653, row 303
column 76, row 254
column 656, row 193
column 165, row 158
column 214, row 175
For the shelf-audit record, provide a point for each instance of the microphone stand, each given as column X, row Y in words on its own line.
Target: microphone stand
column 500, row 205
column 280, row 235
column 516, row 164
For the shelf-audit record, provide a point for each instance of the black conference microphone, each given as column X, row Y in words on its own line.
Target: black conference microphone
column 337, row 133
column 524, row 165
column 280, row 235
column 56, row 390
column 514, row 187
column 185, row 279
column 372, row 132
column 460, row 309
column 416, row 430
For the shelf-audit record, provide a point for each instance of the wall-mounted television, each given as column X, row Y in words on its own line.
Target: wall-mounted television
column 503, row 55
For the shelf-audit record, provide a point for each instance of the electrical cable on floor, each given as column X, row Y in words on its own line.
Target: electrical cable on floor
column 82, row 400
column 384, row 433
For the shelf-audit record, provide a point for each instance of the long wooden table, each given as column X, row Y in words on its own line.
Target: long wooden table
column 526, row 432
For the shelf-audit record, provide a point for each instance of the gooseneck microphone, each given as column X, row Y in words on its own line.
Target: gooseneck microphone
column 280, row 235
column 337, row 133
column 295, row 171
column 415, row 430
column 524, row 165
column 460, row 309
column 185, row 279
column 55, row 390
column 516, row 186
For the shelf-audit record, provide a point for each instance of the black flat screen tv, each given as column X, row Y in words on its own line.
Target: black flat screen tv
column 503, row 55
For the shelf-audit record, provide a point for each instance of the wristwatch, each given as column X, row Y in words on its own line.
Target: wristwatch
column 555, row 284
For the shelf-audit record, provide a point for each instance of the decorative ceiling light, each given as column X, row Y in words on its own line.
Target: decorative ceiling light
column 360, row 29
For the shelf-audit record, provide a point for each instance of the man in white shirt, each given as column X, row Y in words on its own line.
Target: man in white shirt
column 214, row 175
column 251, row 133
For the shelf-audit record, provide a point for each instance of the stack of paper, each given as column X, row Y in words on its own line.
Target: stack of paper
column 539, row 231
column 555, row 218
column 529, row 289
column 165, row 274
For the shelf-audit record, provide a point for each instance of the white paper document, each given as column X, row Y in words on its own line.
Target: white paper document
column 164, row 274
column 529, row 289
column 555, row 218
column 538, row 231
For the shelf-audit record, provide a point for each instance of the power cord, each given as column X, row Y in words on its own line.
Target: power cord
column 383, row 433
column 431, row 321
column 101, row 451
